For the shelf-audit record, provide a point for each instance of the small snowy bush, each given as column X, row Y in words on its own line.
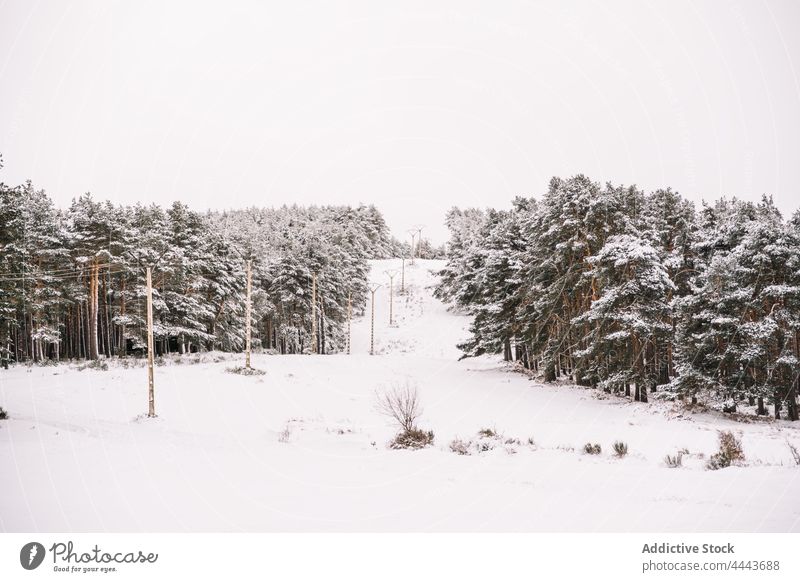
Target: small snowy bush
column 101, row 365
column 285, row 435
column 3, row 414
column 730, row 451
column 460, row 447
column 592, row 449
column 620, row 449
column 488, row 439
column 412, row 439
column 491, row 438
column 674, row 461
column 245, row 371
column 484, row 446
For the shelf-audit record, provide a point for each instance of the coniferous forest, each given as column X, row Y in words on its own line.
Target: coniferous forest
column 645, row 295
column 72, row 282
column 608, row 287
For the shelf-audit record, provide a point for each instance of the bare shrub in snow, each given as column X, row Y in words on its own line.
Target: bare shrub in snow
column 245, row 371
column 491, row 438
column 460, row 447
column 730, row 451
column 592, row 449
column 3, row 414
column 488, row 439
column 674, row 461
column 620, row 449
column 285, row 435
column 792, row 449
column 484, row 446
column 401, row 404
column 100, row 365
column 717, row 462
column 412, row 439
column 730, row 446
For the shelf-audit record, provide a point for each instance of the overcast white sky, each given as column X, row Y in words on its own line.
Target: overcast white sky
column 415, row 106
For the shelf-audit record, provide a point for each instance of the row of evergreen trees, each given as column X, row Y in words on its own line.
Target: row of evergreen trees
column 72, row 282
column 635, row 293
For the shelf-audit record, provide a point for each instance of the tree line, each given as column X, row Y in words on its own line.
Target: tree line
column 636, row 294
column 72, row 281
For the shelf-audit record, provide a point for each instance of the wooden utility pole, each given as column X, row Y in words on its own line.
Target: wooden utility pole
column 392, row 273
column 402, row 275
column 151, row 395
column 413, row 233
column 93, row 302
column 349, row 318
column 372, row 322
column 418, row 229
column 248, row 311
column 314, row 313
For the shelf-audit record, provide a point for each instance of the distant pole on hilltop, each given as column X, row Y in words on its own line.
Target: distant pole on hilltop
column 372, row 321
column 248, row 311
column 418, row 229
column 413, row 233
column 151, row 395
column 391, row 273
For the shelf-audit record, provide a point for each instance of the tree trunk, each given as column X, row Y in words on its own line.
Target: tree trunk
column 791, row 401
column 550, row 371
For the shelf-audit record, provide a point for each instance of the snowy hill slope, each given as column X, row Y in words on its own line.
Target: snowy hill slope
column 302, row 448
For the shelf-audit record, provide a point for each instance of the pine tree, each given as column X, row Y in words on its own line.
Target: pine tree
column 629, row 319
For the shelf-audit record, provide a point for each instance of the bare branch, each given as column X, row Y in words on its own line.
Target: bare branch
column 401, row 404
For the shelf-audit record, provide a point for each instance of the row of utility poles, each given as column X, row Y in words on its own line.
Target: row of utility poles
column 391, row 273
column 151, row 404
column 415, row 232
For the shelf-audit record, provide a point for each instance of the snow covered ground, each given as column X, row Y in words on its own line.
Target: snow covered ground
column 303, row 448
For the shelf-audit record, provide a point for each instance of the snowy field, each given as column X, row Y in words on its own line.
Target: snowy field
column 303, row 448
